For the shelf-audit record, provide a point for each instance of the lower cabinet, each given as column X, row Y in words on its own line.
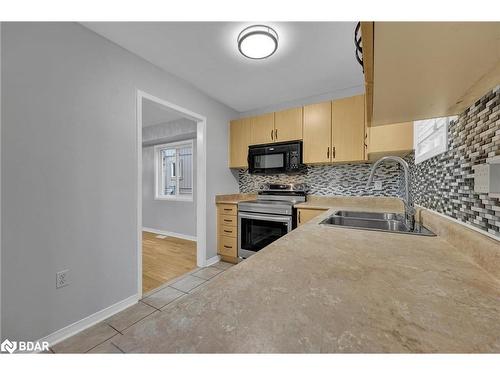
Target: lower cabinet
column 227, row 232
column 306, row 214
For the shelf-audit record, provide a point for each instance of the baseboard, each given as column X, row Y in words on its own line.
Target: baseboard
column 89, row 321
column 212, row 260
column 170, row 234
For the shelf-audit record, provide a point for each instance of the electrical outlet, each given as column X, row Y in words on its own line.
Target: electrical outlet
column 62, row 279
column 378, row 185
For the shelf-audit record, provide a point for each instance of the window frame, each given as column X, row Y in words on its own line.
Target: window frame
column 158, row 171
column 438, row 150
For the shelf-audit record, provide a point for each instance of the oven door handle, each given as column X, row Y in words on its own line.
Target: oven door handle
column 283, row 219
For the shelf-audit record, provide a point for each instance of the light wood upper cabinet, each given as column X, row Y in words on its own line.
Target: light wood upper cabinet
column 412, row 79
column 262, row 129
column 393, row 139
column 348, row 129
column 288, row 125
column 239, row 139
column 317, row 133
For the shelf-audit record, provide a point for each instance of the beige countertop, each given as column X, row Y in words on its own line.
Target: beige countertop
column 234, row 198
column 329, row 289
column 375, row 204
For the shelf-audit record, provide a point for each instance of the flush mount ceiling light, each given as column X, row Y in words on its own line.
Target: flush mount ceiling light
column 258, row 42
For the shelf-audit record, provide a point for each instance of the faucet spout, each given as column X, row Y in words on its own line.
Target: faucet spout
column 408, row 201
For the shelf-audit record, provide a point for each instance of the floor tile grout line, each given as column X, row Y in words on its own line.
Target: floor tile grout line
column 114, row 327
column 198, row 277
column 140, row 320
column 117, row 347
column 178, row 278
column 154, row 307
column 183, row 295
column 173, row 287
column 109, row 338
column 169, row 282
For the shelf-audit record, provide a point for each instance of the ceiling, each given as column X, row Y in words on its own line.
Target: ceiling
column 313, row 58
column 154, row 114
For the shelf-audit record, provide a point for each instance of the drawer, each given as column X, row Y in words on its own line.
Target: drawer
column 228, row 246
column 231, row 221
column 226, row 230
column 228, row 209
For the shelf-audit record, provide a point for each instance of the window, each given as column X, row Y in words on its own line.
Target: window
column 430, row 137
column 174, row 171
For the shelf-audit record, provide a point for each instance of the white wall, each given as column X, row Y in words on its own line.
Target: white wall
column 69, row 171
column 171, row 216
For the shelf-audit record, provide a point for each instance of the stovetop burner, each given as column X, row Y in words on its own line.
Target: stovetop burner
column 277, row 199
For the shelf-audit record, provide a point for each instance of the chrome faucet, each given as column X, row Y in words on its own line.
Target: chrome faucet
column 409, row 208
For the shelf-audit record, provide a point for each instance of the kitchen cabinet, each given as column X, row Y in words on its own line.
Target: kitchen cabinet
column 317, row 133
column 227, row 232
column 306, row 214
column 239, row 140
column 288, row 125
column 262, row 129
column 427, row 69
column 331, row 132
column 393, row 139
column 348, row 129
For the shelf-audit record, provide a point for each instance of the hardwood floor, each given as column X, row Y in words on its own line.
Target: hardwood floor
column 165, row 259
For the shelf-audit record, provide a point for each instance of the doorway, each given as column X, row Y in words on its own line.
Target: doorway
column 171, row 204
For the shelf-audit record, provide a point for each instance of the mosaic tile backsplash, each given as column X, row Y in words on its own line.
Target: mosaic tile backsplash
column 345, row 179
column 443, row 183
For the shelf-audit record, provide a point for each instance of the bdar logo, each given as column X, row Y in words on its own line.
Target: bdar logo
column 8, row 346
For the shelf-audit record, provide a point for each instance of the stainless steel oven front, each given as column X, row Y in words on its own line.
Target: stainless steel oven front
column 257, row 230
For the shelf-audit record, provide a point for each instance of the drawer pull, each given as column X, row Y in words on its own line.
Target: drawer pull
column 228, row 220
column 228, row 231
column 228, row 209
column 228, row 247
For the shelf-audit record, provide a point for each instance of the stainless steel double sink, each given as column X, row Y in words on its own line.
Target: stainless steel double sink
column 375, row 221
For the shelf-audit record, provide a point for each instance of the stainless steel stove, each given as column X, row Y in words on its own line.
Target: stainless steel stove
column 269, row 217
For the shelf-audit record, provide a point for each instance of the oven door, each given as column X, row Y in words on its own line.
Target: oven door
column 256, row 231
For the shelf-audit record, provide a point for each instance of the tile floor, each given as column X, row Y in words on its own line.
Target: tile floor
column 98, row 338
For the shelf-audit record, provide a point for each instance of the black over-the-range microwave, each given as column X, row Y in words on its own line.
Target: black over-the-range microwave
column 282, row 157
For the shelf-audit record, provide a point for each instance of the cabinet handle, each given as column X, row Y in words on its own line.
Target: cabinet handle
column 272, row 134
column 227, row 220
column 299, row 216
column 333, row 152
column 328, row 152
column 228, row 247
column 228, row 209
column 228, row 231
column 276, row 134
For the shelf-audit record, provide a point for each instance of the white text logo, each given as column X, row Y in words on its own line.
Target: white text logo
column 8, row 346
column 23, row 346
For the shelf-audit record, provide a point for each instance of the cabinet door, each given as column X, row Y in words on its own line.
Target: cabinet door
column 390, row 139
column 262, row 129
column 305, row 214
column 288, row 125
column 239, row 139
column 317, row 133
column 348, row 129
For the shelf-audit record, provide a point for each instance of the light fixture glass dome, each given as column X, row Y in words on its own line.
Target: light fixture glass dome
column 258, row 42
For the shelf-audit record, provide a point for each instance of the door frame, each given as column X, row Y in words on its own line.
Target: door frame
column 201, row 179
